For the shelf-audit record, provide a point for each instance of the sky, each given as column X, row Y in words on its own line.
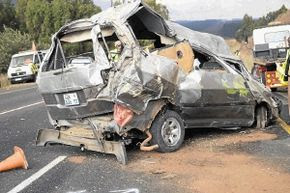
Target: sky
column 214, row 9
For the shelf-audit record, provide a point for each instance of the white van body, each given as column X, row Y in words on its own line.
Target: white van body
column 271, row 42
column 24, row 66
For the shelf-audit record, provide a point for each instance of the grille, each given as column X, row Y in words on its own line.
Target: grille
column 18, row 73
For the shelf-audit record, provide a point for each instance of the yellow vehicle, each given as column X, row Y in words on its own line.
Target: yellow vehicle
column 279, row 78
column 271, row 62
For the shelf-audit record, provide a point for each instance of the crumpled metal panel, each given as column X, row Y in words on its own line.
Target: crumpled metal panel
column 213, row 43
column 154, row 77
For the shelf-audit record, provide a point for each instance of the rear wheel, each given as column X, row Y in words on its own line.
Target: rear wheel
column 168, row 131
column 261, row 117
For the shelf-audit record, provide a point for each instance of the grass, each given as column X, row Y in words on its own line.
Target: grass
column 4, row 82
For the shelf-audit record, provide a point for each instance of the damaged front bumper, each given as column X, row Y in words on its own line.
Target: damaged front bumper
column 46, row 136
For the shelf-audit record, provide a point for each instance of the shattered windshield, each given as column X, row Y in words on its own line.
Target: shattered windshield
column 21, row 60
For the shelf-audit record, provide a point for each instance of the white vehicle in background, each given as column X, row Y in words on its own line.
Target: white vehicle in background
column 270, row 43
column 24, row 66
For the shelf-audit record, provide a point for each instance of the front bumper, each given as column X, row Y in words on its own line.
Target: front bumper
column 46, row 136
column 22, row 78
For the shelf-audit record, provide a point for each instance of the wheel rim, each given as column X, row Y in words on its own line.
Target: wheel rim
column 171, row 131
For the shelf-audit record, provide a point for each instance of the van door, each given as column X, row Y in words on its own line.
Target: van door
column 225, row 99
column 70, row 92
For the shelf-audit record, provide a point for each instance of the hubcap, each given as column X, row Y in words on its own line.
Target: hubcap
column 171, row 132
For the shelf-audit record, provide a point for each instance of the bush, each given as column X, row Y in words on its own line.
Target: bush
column 4, row 82
column 11, row 42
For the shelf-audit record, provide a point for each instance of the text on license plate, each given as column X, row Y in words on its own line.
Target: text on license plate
column 71, row 99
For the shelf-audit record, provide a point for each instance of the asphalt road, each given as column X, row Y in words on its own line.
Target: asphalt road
column 89, row 172
column 22, row 113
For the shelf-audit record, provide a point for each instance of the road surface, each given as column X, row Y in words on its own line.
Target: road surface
column 66, row 169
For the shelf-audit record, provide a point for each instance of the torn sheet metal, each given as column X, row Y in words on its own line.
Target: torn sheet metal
column 46, row 136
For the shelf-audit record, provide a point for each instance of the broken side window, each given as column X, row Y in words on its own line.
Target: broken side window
column 147, row 31
column 212, row 65
column 78, row 53
column 69, row 54
column 206, row 62
column 110, row 43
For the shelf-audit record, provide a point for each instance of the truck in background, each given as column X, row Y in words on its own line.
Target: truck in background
column 271, row 64
column 24, row 66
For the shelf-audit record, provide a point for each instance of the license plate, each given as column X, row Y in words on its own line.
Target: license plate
column 17, row 79
column 71, row 99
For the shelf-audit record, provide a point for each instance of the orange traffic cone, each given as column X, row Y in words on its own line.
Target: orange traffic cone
column 17, row 160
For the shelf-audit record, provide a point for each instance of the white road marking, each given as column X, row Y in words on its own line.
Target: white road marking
column 37, row 175
column 19, row 108
column 132, row 190
column 9, row 92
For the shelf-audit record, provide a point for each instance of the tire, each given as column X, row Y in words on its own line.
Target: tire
column 261, row 117
column 167, row 131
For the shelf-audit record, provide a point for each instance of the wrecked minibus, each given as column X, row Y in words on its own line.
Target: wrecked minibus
column 184, row 79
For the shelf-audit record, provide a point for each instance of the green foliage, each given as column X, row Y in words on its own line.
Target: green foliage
column 249, row 24
column 34, row 17
column 159, row 8
column 7, row 15
column 11, row 42
column 61, row 12
column 84, row 9
column 246, row 28
column 20, row 9
column 42, row 18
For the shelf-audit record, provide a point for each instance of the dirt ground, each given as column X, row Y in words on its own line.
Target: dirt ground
column 207, row 165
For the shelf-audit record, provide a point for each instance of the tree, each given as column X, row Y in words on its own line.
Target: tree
column 7, row 15
column 159, row 8
column 61, row 12
column 246, row 29
column 34, row 17
column 20, row 9
column 47, row 29
column 11, row 42
column 45, row 17
column 84, row 9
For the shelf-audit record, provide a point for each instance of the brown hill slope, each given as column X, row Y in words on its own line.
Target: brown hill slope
column 284, row 18
column 245, row 50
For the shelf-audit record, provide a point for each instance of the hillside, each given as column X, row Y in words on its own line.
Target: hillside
column 245, row 49
column 224, row 28
column 284, row 18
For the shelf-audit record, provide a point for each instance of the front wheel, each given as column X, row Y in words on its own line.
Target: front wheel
column 167, row 131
